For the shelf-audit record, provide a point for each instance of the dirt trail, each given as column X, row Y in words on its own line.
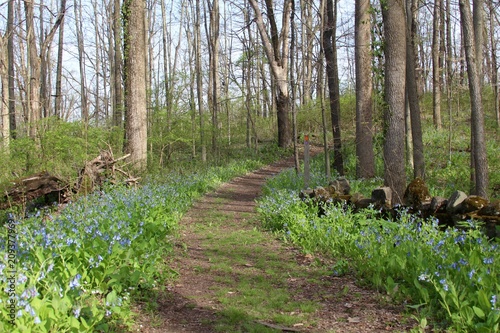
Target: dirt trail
column 191, row 303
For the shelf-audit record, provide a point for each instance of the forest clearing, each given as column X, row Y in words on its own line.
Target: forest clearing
column 249, row 166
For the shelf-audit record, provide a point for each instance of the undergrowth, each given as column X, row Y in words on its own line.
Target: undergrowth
column 79, row 269
column 451, row 276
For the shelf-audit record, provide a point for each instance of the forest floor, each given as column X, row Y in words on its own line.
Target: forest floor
column 235, row 277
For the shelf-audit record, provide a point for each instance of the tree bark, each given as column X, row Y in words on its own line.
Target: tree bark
column 436, row 69
column 412, row 90
column 395, row 90
column 330, row 48
column 60, row 49
column 365, row 167
column 10, row 62
column 278, row 61
column 83, row 81
column 480, row 167
column 199, row 80
column 117, row 66
column 135, row 81
column 4, row 93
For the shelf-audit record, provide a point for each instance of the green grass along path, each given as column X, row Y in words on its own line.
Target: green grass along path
column 234, row 277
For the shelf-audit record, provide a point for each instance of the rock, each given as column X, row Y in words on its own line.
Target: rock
column 306, row 194
column 382, row 196
column 473, row 203
column 340, row 186
column 438, row 205
column 416, row 194
column 321, row 193
column 491, row 209
column 454, row 205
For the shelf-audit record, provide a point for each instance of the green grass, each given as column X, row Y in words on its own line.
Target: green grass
column 251, row 279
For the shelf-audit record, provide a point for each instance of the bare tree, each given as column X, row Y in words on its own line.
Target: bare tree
column 436, row 68
column 117, row 77
column 4, row 92
column 365, row 167
column 81, row 61
column 395, row 91
column 214, row 81
column 278, row 61
column 60, row 49
column 10, row 62
column 135, row 81
column 199, row 79
column 412, row 90
column 332, row 73
column 480, row 166
column 494, row 62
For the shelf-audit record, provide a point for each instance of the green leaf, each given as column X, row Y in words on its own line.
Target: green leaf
column 478, row 312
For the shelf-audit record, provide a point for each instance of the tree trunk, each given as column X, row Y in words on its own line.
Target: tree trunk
column 294, row 89
column 214, row 70
column 83, row 82
column 10, row 62
column 199, row 81
column 395, row 67
column 436, row 69
column 480, row 167
column 494, row 65
column 330, row 48
column 365, row 167
column 60, row 49
column 278, row 61
column 4, row 93
column 135, row 81
column 412, row 90
column 117, row 66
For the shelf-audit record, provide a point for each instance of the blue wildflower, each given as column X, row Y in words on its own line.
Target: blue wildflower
column 75, row 282
column 76, row 312
column 444, row 284
column 488, row 261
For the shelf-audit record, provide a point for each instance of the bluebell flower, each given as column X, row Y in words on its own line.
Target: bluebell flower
column 471, row 273
column 488, row 261
column 75, row 282
column 37, row 320
column 493, row 302
column 76, row 312
column 444, row 284
column 30, row 310
column 460, row 239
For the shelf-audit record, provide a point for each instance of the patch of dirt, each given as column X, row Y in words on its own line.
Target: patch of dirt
column 190, row 305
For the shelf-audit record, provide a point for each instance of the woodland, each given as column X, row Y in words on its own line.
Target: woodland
column 116, row 115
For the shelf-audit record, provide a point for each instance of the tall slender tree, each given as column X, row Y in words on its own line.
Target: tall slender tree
column 436, row 62
column 135, row 81
column 365, row 167
column 478, row 139
column 412, row 90
column 278, row 61
column 393, row 14
column 117, row 66
column 332, row 73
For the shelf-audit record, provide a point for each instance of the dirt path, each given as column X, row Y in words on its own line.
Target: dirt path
column 225, row 263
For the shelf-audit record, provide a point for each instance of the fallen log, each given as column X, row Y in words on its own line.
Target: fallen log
column 42, row 185
column 45, row 189
column 450, row 212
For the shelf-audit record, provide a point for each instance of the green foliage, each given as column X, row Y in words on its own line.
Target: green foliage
column 451, row 275
column 61, row 148
column 80, row 271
